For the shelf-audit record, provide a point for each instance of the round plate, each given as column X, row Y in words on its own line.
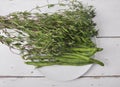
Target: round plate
column 64, row 73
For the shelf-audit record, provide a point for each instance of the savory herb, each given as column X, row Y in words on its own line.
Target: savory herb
column 58, row 38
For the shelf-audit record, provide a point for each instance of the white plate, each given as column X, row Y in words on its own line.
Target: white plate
column 64, row 73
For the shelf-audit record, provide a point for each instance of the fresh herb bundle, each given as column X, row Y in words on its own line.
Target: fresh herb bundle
column 59, row 38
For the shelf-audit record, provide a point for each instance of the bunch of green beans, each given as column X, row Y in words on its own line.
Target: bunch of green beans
column 60, row 38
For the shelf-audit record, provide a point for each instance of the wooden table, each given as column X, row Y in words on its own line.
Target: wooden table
column 14, row 73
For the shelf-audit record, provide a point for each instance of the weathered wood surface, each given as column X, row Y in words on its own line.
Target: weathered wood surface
column 14, row 73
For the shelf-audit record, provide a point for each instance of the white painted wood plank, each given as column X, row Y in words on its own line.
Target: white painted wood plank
column 110, row 56
column 43, row 82
column 8, row 6
column 11, row 64
column 107, row 18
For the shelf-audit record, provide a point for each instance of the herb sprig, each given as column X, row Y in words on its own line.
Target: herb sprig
column 44, row 39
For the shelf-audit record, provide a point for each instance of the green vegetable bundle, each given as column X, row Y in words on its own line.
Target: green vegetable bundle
column 63, row 37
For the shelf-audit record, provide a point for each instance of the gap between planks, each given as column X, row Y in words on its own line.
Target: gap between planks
column 107, row 76
column 107, row 36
